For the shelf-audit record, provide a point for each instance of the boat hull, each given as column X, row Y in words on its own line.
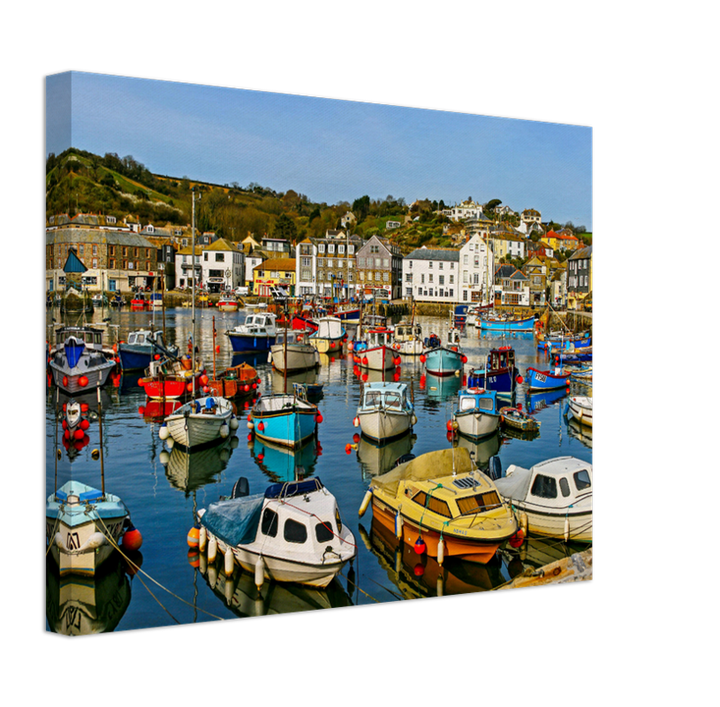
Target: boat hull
column 476, row 425
column 527, row 324
column 545, row 380
column 294, row 357
column 384, row 425
column 82, row 535
column 443, row 362
column 581, row 409
column 502, row 381
column 248, row 343
column 551, row 525
column 381, row 358
column 478, row 551
column 288, row 427
column 194, row 430
column 69, row 379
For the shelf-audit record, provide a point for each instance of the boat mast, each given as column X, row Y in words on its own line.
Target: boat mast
column 193, row 293
column 214, row 376
column 102, row 455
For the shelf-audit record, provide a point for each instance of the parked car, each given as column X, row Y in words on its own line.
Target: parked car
column 242, row 291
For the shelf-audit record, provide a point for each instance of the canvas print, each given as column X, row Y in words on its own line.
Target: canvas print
column 304, row 353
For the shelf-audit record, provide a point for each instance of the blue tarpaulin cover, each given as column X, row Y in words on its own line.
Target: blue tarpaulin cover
column 236, row 520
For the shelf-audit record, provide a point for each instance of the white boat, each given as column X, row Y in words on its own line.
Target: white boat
column 84, row 525
column 581, row 408
column 291, row 533
column 329, row 335
column 256, row 333
column 556, row 496
column 408, row 339
column 79, row 362
column 290, row 353
column 200, row 422
column 476, row 415
column 385, row 412
column 375, row 352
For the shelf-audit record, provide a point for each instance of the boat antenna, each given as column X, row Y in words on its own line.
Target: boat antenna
column 57, row 410
column 193, row 292
column 214, row 376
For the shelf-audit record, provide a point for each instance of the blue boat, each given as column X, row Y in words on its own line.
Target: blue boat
column 527, row 324
column 142, row 347
column 256, row 333
column 565, row 343
column 547, row 380
column 284, row 419
column 79, row 362
column 477, row 413
column 500, row 373
column 443, row 361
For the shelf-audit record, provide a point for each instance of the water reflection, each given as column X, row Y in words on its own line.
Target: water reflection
column 377, row 459
column 481, row 450
column 189, row 471
column 282, row 464
column 539, row 401
column 441, row 388
column 583, row 433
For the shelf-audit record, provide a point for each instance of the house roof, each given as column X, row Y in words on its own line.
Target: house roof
column 585, row 252
column 434, row 254
column 73, row 263
column 286, row 264
column 220, row 244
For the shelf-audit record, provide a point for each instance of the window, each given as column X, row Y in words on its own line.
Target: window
column 564, row 486
column 441, row 280
column 465, row 259
column 582, row 479
column 430, row 264
column 432, row 504
column 408, row 277
column 321, row 247
column 430, row 279
column 351, row 249
column 219, row 257
column 452, row 280
column 331, row 247
column 341, row 249
column 112, row 264
column 294, row 532
column 544, row 487
column 323, row 532
column 269, row 524
column 478, row 504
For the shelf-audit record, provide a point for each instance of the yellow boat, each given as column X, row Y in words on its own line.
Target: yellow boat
column 442, row 500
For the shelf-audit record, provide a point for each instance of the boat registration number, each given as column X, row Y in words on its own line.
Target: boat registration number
column 540, row 377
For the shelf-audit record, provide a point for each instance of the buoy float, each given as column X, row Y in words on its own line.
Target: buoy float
column 234, row 424
column 164, row 457
column 224, row 430
column 193, row 537
column 420, row 547
column 423, row 358
column 419, row 569
column 261, row 426
column 318, row 418
column 212, row 549
column 194, row 558
column 348, row 448
column 517, row 539
column 132, row 539
column 365, row 502
column 229, row 561
column 163, row 432
column 567, row 528
column 259, row 572
column 356, row 438
column 441, row 551
column 356, row 421
column 203, row 538
column 398, row 526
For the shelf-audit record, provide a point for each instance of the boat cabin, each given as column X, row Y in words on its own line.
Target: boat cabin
column 90, row 336
column 259, row 324
column 329, row 328
column 555, row 483
column 408, row 332
column 145, row 336
column 477, row 399
column 390, row 396
column 293, row 337
column 501, row 358
column 380, row 336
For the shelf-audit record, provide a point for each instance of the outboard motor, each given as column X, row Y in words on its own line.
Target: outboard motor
column 495, row 470
column 241, row 488
column 404, row 459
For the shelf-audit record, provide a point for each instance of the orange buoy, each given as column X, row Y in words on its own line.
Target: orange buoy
column 193, row 538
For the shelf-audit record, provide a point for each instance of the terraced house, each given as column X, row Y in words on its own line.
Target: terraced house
column 380, row 265
column 274, row 272
column 327, row 266
column 579, row 279
column 117, row 258
column 431, row 275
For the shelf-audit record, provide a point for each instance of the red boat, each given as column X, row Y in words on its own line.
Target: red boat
column 168, row 380
column 238, row 381
column 301, row 323
column 158, row 410
column 139, row 301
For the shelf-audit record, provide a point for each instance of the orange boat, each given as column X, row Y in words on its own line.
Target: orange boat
column 168, row 380
column 235, row 381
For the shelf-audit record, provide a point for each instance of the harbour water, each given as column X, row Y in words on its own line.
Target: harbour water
column 163, row 488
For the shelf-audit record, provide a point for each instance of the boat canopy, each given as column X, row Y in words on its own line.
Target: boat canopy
column 236, row 520
column 390, row 395
column 470, row 399
column 433, row 465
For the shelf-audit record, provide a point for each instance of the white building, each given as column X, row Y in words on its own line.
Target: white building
column 218, row 266
column 252, row 260
column 468, row 209
column 305, row 267
column 431, row 275
column 476, row 271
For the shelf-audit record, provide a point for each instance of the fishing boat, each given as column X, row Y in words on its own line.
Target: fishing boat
column 581, row 408
column 564, row 342
column 547, row 380
column 303, row 322
column 487, row 324
column 476, row 414
column 155, row 301
column 329, row 336
column 499, row 373
column 291, row 533
column 200, row 422
column 256, row 333
column 169, row 379
column 385, row 411
column 441, row 504
column 116, row 300
column 374, row 351
column 290, row 353
column 518, row 420
column 141, row 347
column 308, row 391
column 139, row 302
column 407, row 339
column 79, row 362
column 98, row 300
column 228, row 303
column 236, row 381
column 284, row 419
column 555, row 495
column 443, row 361
column 84, row 525
column 582, row 375
column 348, row 314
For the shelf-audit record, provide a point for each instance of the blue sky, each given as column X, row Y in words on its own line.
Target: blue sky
column 329, row 150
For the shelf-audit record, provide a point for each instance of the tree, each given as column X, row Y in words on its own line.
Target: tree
column 492, row 204
column 285, row 228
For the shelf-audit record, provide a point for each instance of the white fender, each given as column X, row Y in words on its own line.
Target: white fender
column 398, row 525
column 164, row 433
column 441, row 552
column 202, row 540
column 259, row 572
column 212, row 549
column 229, row 561
column 365, row 502
column 224, row 430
